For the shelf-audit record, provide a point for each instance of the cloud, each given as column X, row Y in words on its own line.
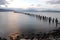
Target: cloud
column 52, row 4
column 3, row 2
column 53, row 1
column 38, row 5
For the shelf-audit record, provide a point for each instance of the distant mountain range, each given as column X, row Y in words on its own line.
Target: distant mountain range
column 36, row 10
column 27, row 10
column 5, row 10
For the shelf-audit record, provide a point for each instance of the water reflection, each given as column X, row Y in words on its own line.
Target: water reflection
column 12, row 22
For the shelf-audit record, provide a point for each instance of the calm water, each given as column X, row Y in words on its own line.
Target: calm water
column 12, row 22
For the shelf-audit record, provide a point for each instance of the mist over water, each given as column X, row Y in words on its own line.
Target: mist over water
column 11, row 22
column 48, row 14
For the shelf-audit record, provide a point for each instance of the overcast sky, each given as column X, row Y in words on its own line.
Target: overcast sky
column 52, row 4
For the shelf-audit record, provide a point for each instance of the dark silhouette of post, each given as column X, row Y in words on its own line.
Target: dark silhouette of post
column 43, row 17
column 0, row 38
column 53, row 20
column 49, row 20
column 56, row 21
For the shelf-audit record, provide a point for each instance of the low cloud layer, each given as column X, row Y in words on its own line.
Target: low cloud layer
column 53, row 1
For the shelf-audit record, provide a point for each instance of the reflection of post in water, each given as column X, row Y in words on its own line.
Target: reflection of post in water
column 46, row 18
column 39, row 17
column 56, row 20
column 36, row 16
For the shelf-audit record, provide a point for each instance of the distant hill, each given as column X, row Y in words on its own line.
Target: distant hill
column 5, row 10
column 27, row 10
column 36, row 10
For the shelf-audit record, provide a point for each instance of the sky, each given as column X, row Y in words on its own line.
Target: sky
column 48, row 4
